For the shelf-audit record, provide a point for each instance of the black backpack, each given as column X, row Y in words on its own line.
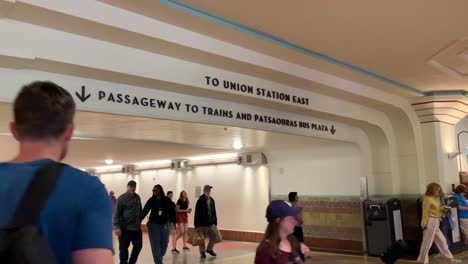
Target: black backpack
column 21, row 241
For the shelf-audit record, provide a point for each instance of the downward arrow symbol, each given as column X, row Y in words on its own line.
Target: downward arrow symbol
column 333, row 130
column 83, row 96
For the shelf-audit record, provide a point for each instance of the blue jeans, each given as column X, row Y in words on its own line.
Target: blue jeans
column 159, row 240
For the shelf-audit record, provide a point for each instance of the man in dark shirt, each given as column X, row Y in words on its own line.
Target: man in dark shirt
column 127, row 223
column 170, row 195
column 206, row 220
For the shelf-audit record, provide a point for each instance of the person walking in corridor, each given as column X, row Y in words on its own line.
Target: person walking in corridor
column 173, row 227
column 127, row 223
column 293, row 201
column 206, row 221
column 72, row 213
column 112, row 199
column 279, row 246
column 182, row 211
column 460, row 193
column 161, row 219
column 431, row 218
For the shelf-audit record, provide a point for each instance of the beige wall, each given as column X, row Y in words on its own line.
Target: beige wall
column 440, row 139
column 323, row 168
column 332, row 169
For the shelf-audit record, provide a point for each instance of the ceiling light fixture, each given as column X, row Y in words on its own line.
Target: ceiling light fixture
column 237, row 146
column 214, row 157
column 109, row 162
column 152, row 163
column 110, row 168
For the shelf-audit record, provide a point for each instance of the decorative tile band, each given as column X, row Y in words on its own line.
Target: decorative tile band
column 335, row 218
column 334, row 245
column 330, row 203
column 337, row 233
column 332, row 219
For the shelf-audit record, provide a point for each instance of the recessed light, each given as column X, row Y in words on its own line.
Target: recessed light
column 109, row 162
column 152, row 163
column 237, row 146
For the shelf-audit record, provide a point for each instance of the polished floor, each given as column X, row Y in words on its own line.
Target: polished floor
column 243, row 253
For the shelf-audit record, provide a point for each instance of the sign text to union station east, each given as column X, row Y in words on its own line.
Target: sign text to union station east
column 257, row 91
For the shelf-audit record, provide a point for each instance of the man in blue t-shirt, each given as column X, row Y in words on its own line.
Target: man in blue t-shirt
column 77, row 218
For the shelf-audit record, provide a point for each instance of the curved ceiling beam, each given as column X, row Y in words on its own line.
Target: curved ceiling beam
column 109, row 15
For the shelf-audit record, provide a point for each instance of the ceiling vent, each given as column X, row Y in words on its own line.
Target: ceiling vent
column 179, row 165
column 128, row 169
column 252, row 159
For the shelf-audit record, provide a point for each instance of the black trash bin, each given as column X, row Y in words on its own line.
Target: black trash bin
column 383, row 224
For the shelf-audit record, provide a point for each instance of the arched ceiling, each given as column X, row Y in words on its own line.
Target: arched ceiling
column 418, row 44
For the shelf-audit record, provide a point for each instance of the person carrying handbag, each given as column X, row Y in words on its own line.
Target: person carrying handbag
column 205, row 220
column 196, row 238
column 432, row 216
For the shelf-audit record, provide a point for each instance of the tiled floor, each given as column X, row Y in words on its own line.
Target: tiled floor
column 244, row 253
column 228, row 252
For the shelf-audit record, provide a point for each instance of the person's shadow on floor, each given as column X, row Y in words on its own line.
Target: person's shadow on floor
column 180, row 259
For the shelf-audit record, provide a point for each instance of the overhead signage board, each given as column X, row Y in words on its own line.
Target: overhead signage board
column 107, row 97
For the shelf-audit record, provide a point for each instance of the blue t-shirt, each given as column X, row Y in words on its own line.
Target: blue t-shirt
column 463, row 202
column 76, row 216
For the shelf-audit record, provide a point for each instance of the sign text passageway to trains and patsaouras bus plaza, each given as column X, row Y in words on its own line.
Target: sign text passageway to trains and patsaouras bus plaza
column 148, row 102
column 101, row 96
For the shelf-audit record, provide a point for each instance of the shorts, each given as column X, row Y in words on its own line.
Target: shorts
column 464, row 227
column 182, row 218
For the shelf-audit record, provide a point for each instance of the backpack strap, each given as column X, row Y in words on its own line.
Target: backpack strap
column 37, row 194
